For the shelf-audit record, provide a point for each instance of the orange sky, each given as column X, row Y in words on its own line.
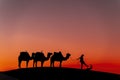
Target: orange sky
column 77, row 27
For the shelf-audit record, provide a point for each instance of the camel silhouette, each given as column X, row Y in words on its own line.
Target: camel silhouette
column 24, row 56
column 39, row 56
column 58, row 57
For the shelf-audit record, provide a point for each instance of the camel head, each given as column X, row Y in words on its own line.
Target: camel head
column 67, row 56
column 48, row 55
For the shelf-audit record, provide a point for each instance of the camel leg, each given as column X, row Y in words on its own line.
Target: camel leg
column 19, row 63
column 33, row 63
column 60, row 63
column 50, row 63
column 53, row 63
column 41, row 64
column 27, row 64
column 36, row 64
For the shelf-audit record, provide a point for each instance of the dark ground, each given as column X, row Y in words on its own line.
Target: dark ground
column 47, row 73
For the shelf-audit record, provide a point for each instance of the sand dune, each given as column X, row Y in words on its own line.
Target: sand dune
column 47, row 73
column 5, row 77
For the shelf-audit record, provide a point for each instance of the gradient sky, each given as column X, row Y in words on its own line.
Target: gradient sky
column 88, row 27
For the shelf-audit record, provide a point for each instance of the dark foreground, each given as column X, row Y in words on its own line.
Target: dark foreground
column 59, row 74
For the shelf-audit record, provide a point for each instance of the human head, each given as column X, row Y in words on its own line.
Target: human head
column 82, row 55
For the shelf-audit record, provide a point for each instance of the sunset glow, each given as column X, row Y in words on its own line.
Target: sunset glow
column 75, row 27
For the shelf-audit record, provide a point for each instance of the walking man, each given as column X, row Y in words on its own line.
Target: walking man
column 81, row 58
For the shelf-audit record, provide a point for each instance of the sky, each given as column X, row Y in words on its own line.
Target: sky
column 78, row 27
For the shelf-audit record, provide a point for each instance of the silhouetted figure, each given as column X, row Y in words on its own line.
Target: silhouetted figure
column 82, row 61
column 58, row 57
column 24, row 56
column 39, row 56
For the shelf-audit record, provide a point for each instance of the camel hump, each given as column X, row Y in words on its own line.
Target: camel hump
column 24, row 53
column 40, row 53
column 58, row 53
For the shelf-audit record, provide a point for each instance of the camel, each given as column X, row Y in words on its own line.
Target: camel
column 58, row 57
column 39, row 56
column 24, row 56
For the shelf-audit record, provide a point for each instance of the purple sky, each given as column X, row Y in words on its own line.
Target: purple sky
column 76, row 24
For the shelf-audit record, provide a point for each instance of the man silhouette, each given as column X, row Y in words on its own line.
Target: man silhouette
column 82, row 61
